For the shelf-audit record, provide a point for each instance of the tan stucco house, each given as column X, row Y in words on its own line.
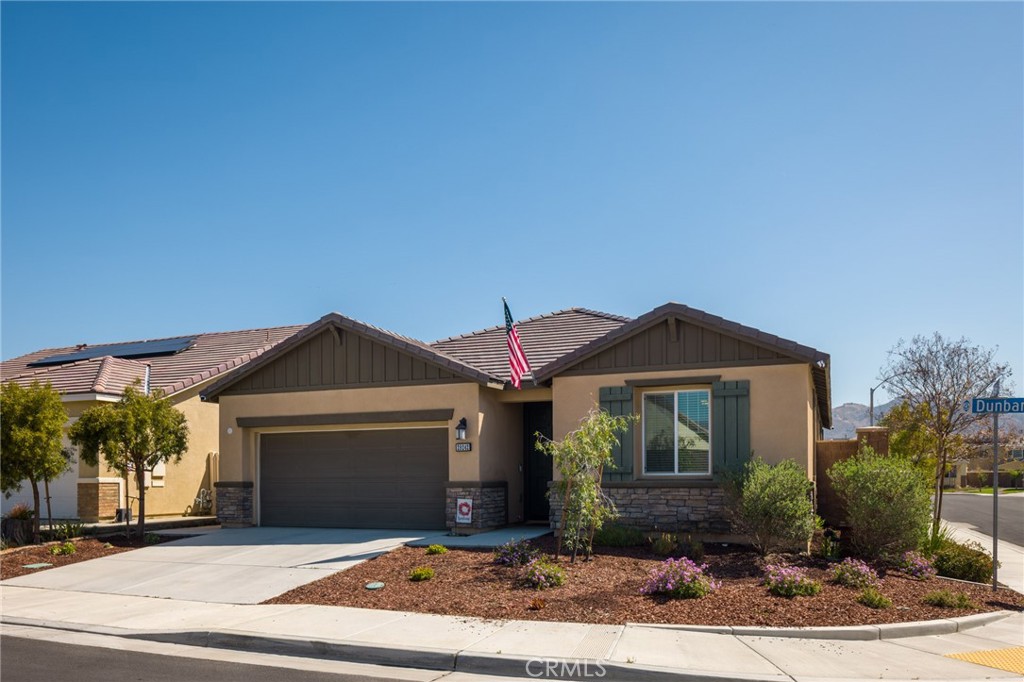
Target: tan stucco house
column 88, row 375
column 345, row 424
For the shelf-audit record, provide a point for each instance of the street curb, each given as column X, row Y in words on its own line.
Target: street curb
column 509, row 664
column 944, row 626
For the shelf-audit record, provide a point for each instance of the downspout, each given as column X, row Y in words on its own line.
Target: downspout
column 145, row 385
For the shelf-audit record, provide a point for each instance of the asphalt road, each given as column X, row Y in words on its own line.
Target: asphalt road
column 30, row 660
column 976, row 510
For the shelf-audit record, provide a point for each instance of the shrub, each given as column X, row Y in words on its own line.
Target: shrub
column 694, row 549
column 437, row 549
column 790, row 581
column 21, row 511
column 152, row 538
column 421, row 573
column 887, row 499
column 874, row 599
column 615, row 535
column 68, row 530
column 963, row 562
column 63, row 549
column 917, row 565
column 664, row 545
column 854, row 573
column 680, row 579
column 772, row 504
column 515, row 553
column 541, row 573
column 948, row 600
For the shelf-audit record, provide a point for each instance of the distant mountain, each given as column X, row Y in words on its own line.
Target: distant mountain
column 846, row 419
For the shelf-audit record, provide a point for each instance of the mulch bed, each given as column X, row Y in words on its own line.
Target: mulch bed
column 607, row 590
column 13, row 561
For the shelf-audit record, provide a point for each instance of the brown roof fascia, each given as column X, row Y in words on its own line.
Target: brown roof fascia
column 697, row 317
column 339, row 321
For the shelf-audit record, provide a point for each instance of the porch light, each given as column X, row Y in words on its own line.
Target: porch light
column 460, row 429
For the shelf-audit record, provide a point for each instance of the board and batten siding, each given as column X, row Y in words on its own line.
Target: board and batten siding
column 675, row 344
column 329, row 360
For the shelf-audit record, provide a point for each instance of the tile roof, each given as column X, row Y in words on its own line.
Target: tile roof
column 545, row 338
column 211, row 355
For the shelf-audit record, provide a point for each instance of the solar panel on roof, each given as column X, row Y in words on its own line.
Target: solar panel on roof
column 139, row 349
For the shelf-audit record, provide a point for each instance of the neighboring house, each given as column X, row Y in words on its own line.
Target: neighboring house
column 91, row 375
column 349, row 425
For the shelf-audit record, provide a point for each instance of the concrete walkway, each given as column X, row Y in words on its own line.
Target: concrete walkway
column 1011, row 556
column 519, row 648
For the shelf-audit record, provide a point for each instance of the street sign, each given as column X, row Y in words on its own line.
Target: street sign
column 995, row 406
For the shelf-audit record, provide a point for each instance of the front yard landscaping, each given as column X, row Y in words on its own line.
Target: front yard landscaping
column 14, row 560
column 608, row 589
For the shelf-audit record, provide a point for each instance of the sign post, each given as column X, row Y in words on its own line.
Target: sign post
column 995, row 406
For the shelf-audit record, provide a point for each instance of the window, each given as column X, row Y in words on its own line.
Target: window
column 677, row 432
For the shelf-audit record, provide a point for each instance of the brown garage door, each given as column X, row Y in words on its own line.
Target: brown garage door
column 354, row 479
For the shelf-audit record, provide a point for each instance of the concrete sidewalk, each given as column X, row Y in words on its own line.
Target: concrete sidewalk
column 520, row 648
column 1011, row 556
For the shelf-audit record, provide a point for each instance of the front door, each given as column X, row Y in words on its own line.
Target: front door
column 536, row 465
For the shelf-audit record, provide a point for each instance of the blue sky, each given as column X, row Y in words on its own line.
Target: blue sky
column 839, row 174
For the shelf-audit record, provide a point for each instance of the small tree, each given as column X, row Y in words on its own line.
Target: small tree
column 772, row 504
column 581, row 458
column 31, row 432
column 943, row 374
column 887, row 502
column 133, row 435
column 910, row 436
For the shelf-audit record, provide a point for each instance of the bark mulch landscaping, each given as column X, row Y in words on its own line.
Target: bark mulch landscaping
column 14, row 560
column 607, row 590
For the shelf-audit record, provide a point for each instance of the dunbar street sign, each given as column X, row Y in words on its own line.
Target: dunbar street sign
column 995, row 406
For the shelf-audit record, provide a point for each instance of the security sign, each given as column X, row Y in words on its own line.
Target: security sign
column 464, row 510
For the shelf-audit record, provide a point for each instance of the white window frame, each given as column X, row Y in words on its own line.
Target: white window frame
column 675, row 432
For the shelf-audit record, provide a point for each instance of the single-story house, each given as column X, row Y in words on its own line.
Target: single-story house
column 88, row 375
column 349, row 425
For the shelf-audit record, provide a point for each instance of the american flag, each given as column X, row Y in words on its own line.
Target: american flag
column 517, row 361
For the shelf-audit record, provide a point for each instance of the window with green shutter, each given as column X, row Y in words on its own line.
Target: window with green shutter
column 730, row 425
column 618, row 401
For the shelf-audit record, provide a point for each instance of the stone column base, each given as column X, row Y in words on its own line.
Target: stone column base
column 98, row 500
column 490, row 505
column 234, row 503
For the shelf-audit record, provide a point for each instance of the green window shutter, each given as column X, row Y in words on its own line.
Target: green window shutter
column 618, row 401
column 730, row 425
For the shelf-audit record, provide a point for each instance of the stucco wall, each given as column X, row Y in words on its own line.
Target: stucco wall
column 781, row 405
column 501, row 447
column 238, row 448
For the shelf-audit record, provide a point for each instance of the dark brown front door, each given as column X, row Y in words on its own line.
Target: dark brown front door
column 354, row 479
column 536, row 465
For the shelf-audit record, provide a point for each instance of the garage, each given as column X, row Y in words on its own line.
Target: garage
column 387, row 478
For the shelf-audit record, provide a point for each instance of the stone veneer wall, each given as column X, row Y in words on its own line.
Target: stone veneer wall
column 490, row 504
column 688, row 509
column 234, row 503
column 97, row 500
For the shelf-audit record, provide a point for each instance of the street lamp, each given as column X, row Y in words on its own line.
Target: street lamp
column 871, row 409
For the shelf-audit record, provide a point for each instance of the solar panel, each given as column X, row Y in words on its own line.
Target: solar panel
column 138, row 349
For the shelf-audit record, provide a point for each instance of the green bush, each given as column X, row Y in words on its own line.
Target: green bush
column 790, row 581
column 888, row 503
column 665, row 544
column 772, row 504
column 872, row 598
column 63, row 549
column 421, row 573
column 948, row 600
column 437, row 549
column 542, row 573
column 615, row 535
column 963, row 562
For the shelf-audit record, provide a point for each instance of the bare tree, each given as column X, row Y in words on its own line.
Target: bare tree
column 943, row 374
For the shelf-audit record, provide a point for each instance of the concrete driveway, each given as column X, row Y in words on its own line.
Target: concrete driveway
column 229, row 566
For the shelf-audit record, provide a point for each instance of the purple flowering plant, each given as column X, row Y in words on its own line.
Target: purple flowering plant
column 917, row 565
column 515, row 553
column 852, row 572
column 681, row 579
column 541, row 573
column 790, row 581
